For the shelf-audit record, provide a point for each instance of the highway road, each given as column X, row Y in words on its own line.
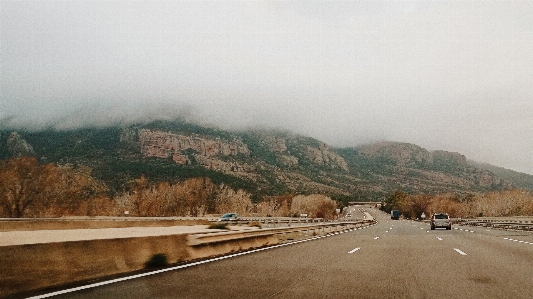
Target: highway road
column 392, row 259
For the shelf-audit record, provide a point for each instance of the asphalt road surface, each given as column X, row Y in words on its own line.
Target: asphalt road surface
column 392, row 259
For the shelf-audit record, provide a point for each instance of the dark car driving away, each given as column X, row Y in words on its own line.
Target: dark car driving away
column 441, row 220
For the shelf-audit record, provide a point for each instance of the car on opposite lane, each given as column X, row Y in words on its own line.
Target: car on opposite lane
column 229, row 217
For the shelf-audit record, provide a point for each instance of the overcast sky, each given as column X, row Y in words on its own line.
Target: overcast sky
column 450, row 75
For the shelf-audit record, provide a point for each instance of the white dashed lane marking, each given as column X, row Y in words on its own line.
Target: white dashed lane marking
column 459, row 251
column 519, row 241
column 354, row 250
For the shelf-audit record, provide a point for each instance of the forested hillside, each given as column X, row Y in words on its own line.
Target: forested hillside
column 264, row 164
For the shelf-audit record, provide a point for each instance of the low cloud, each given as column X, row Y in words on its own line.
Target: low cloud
column 454, row 77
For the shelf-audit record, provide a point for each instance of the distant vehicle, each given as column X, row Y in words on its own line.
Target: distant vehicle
column 395, row 214
column 229, row 217
column 441, row 220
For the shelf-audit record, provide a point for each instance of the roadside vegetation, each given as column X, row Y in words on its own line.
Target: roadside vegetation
column 218, row 226
column 493, row 204
column 31, row 189
column 255, row 224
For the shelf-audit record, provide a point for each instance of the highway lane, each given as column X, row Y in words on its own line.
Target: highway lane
column 393, row 259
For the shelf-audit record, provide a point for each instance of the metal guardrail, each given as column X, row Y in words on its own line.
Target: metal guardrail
column 515, row 224
column 212, row 219
column 288, row 222
column 141, row 219
column 247, row 220
column 320, row 228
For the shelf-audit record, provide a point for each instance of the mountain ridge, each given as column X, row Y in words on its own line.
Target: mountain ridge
column 262, row 162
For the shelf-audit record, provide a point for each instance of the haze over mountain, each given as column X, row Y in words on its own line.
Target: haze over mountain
column 453, row 76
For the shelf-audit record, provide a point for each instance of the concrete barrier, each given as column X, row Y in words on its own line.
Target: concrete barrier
column 37, row 266
column 213, row 245
column 31, row 267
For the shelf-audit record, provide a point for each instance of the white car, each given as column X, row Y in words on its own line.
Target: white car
column 441, row 220
column 229, row 217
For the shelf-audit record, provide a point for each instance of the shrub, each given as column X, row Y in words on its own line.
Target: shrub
column 256, row 224
column 157, row 260
column 218, row 226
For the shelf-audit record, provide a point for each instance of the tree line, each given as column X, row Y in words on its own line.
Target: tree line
column 30, row 189
column 514, row 202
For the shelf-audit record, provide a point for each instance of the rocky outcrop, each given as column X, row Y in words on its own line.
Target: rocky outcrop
column 446, row 168
column 17, row 146
column 216, row 154
column 206, row 152
column 275, row 144
column 322, row 155
column 317, row 154
column 278, row 146
column 401, row 154
column 288, row 160
column 406, row 155
column 165, row 144
column 487, row 179
column 449, row 158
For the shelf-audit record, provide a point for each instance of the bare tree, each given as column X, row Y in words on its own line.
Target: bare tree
column 314, row 205
column 76, row 193
column 198, row 192
column 229, row 200
column 143, row 198
column 24, row 183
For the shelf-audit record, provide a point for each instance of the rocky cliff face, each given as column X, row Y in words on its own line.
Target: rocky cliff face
column 207, row 152
column 216, row 153
column 319, row 154
column 484, row 178
column 405, row 154
column 455, row 160
column 401, row 154
column 322, row 155
column 165, row 144
column 273, row 143
column 440, row 167
column 278, row 145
